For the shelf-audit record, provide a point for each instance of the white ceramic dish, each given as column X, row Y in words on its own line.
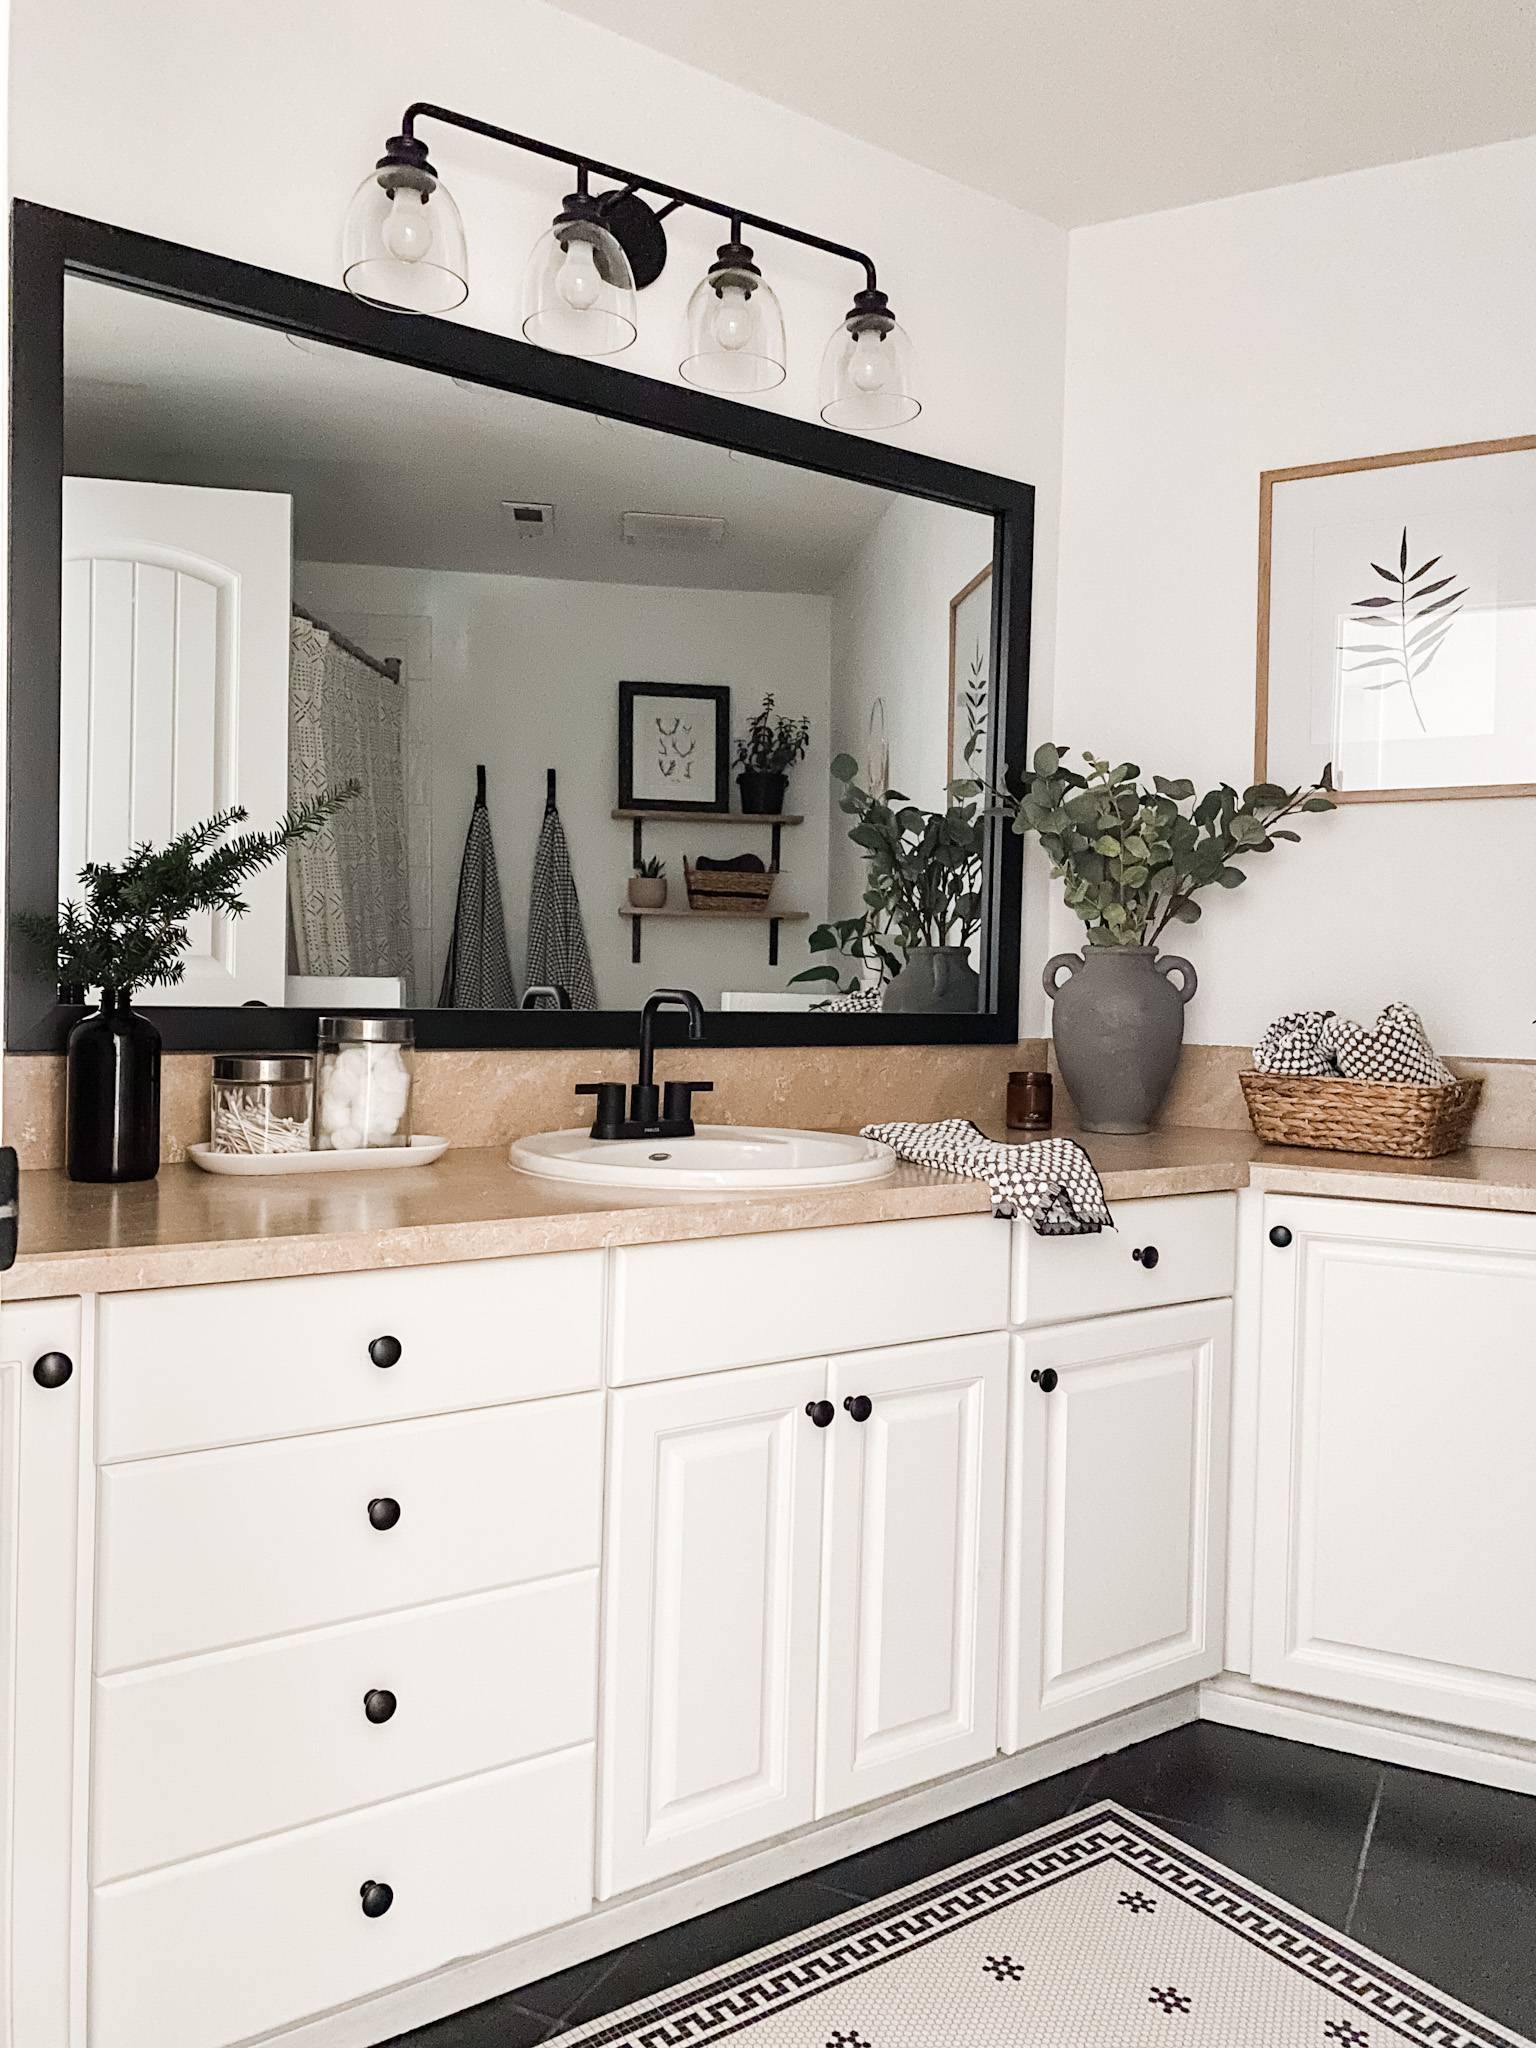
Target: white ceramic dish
column 368, row 1158
column 718, row 1158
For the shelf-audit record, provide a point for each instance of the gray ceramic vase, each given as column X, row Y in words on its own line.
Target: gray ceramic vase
column 1119, row 1028
column 935, row 978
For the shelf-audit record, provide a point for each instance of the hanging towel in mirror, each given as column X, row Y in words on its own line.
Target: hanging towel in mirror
column 557, row 939
column 477, row 974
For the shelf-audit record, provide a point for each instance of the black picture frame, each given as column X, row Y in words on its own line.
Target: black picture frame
column 719, row 694
column 48, row 246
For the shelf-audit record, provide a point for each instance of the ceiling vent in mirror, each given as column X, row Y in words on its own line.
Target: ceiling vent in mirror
column 528, row 520
column 691, row 530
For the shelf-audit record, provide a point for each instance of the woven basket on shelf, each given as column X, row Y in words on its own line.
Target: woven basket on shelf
column 735, row 889
column 1394, row 1117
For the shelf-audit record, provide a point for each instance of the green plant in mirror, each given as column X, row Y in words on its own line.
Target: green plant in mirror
column 922, row 880
column 772, row 745
column 128, row 930
column 652, row 868
column 1132, row 859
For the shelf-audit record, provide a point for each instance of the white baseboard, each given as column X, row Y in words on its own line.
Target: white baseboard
column 618, row 1922
column 1360, row 1731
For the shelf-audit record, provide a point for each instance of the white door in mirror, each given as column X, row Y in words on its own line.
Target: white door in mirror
column 717, row 1157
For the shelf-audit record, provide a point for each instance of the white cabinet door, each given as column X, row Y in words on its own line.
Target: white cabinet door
column 1116, row 1515
column 174, row 696
column 713, row 1556
column 1396, row 1539
column 911, row 1571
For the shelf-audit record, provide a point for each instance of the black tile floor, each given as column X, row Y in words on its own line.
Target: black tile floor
column 1436, row 1875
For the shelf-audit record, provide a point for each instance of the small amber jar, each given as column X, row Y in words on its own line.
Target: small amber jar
column 1029, row 1102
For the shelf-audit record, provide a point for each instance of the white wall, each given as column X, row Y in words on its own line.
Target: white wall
column 524, row 676
column 1384, row 310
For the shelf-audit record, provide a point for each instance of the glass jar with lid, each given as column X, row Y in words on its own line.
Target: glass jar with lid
column 363, row 1093
column 262, row 1103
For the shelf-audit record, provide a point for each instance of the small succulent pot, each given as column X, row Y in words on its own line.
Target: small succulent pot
column 762, row 795
column 648, row 892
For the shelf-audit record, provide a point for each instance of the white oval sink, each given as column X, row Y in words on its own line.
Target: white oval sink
column 718, row 1157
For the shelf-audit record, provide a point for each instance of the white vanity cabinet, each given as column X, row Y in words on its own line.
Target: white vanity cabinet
column 1395, row 1547
column 866, row 1490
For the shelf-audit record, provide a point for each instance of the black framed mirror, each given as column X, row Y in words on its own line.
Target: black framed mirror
column 265, row 538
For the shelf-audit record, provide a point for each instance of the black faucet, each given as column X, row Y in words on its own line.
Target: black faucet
column 653, row 1112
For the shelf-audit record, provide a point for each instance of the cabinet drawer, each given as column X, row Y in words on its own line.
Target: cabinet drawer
column 183, row 1368
column 216, row 1548
column 1170, row 1248
column 232, row 1945
column 211, row 1751
column 688, row 1308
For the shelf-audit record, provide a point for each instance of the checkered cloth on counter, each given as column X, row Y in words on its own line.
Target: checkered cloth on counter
column 1051, row 1183
column 1395, row 1048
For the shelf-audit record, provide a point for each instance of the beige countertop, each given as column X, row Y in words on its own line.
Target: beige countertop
column 188, row 1227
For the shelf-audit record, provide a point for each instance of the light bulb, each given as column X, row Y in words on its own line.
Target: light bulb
column 868, row 367
column 733, row 318
column 408, row 230
column 577, row 280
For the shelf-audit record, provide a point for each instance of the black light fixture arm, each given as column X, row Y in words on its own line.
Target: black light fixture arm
column 632, row 181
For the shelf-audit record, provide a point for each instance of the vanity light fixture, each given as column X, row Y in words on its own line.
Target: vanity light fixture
column 403, row 247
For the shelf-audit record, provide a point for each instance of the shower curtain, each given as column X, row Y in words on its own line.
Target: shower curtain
column 348, row 892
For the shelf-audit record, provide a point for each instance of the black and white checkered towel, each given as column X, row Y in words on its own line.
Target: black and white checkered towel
column 1395, row 1048
column 1052, row 1182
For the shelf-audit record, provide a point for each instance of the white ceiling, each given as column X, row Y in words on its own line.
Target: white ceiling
column 398, row 466
column 1089, row 110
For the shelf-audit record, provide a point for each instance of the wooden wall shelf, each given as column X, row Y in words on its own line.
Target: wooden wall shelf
column 770, row 917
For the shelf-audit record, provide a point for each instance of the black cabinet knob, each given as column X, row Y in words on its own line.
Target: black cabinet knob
column 379, row 1704
column 820, row 1412
column 1279, row 1237
column 384, row 1512
column 385, row 1351
column 1146, row 1255
column 1046, row 1380
column 53, row 1368
column 860, row 1407
column 377, row 1898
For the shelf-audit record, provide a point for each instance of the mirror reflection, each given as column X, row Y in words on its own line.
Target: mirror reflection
column 623, row 709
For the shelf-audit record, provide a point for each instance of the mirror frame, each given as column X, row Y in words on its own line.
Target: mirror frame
column 47, row 246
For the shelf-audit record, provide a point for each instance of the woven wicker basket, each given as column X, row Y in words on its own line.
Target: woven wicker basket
column 735, row 890
column 1393, row 1117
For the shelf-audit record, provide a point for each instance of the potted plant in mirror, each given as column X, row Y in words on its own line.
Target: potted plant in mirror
column 922, row 899
column 1131, row 861
column 648, row 884
column 129, row 931
column 765, row 753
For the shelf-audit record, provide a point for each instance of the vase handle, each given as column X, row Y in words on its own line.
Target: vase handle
column 1050, row 979
column 1170, row 963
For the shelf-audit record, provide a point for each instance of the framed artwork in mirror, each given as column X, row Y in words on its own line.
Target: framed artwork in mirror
column 970, row 675
column 1397, row 624
column 674, row 746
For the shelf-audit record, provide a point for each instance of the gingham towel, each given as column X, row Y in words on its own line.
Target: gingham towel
column 1052, row 1183
column 1395, row 1048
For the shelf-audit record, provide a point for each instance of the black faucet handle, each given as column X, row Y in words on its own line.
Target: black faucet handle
column 677, row 1104
column 609, row 1120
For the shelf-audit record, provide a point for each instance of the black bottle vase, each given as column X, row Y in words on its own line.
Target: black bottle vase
column 112, row 1094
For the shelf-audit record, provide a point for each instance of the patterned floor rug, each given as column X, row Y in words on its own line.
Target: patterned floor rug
column 1097, row 1932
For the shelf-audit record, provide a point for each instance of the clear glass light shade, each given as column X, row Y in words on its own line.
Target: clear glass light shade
column 579, row 291
column 735, row 333
column 868, row 382
column 403, row 243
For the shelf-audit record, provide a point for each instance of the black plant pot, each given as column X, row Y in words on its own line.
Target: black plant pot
column 112, row 1094
column 761, row 793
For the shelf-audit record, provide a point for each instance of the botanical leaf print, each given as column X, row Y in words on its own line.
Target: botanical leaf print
column 1410, row 621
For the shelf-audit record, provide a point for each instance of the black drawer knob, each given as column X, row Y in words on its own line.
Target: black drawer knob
column 1045, row 1380
column 385, row 1351
column 377, row 1899
column 820, row 1412
column 384, row 1512
column 1279, row 1237
column 379, row 1704
column 860, row 1407
column 53, row 1368
column 1146, row 1255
